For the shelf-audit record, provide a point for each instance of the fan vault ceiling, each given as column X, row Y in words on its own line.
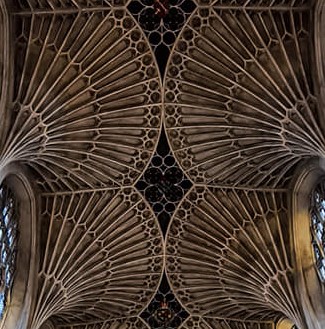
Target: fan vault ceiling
column 91, row 95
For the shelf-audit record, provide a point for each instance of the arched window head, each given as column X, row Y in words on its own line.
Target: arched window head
column 18, row 248
column 307, row 220
column 317, row 215
column 8, row 246
column 285, row 324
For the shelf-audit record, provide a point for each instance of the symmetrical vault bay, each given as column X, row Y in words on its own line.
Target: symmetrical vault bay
column 88, row 100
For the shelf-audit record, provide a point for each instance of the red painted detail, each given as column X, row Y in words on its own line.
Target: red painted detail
column 161, row 8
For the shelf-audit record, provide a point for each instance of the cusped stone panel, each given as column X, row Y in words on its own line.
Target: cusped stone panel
column 228, row 255
column 128, row 323
column 37, row 6
column 101, row 257
column 240, row 105
column 263, row 4
column 86, row 99
column 195, row 322
column 217, row 323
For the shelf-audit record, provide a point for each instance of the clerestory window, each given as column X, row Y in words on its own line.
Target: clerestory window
column 8, row 238
column 317, row 213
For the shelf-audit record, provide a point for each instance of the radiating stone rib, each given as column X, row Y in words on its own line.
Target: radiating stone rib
column 102, row 257
column 87, row 100
column 228, row 255
column 239, row 97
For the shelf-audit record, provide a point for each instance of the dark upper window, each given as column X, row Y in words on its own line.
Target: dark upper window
column 317, row 213
column 8, row 238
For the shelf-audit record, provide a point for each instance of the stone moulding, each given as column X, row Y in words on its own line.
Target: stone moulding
column 320, row 52
column 308, row 286
column 4, row 67
column 18, row 312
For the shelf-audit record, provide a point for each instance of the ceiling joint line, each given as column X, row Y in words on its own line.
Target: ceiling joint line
column 95, row 189
column 243, row 188
column 64, row 11
column 261, row 8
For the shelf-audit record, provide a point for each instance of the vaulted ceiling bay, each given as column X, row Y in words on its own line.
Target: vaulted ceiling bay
column 166, row 144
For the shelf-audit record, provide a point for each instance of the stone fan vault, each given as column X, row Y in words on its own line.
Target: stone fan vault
column 162, row 137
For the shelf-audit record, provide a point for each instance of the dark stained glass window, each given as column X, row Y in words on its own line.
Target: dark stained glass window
column 8, row 237
column 317, row 213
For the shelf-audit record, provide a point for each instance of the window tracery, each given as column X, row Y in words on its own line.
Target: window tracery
column 8, row 236
column 317, row 215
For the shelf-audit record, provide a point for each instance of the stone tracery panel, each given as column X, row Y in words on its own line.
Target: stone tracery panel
column 228, row 255
column 164, row 310
column 129, row 323
column 239, row 97
column 264, row 3
column 195, row 322
column 163, row 183
column 161, row 21
column 101, row 257
column 87, row 99
column 217, row 323
column 41, row 5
